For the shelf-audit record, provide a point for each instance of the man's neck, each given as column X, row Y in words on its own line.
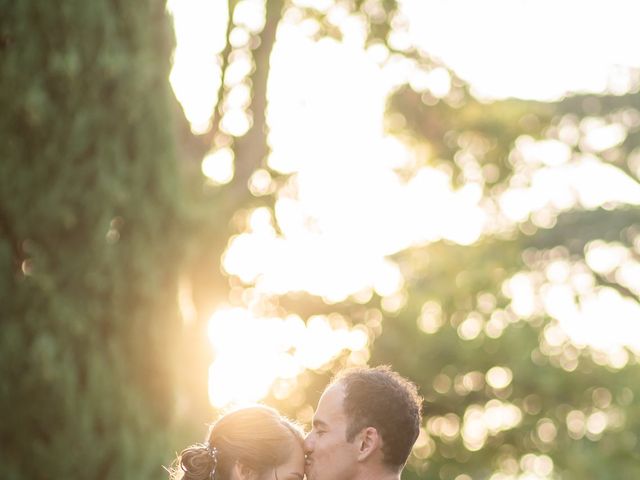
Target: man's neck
column 377, row 474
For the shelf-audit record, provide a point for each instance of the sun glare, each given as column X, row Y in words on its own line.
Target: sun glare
column 218, row 166
column 196, row 75
column 252, row 353
column 345, row 209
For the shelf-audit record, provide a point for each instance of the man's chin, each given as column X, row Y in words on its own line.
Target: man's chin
column 309, row 473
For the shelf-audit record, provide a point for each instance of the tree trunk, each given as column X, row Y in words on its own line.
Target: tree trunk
column 91, row 235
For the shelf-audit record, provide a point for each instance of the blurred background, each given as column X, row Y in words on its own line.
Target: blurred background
column 206, row 203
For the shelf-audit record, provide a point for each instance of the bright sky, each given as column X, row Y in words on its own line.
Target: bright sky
column 530, row 48
column 335, row 241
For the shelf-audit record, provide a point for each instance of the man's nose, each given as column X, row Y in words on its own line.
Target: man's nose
column 309, row 441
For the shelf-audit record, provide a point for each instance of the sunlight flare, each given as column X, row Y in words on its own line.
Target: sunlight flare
column 252, row 353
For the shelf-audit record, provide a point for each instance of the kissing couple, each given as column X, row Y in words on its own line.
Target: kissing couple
column 365, row 425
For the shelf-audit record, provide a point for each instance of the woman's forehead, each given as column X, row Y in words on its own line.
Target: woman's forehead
column 293, row 468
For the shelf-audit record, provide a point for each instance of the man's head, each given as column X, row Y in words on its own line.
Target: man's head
column 367, row 418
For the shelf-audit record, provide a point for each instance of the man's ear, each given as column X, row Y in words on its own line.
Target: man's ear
column 369, row 442
column 242, row 472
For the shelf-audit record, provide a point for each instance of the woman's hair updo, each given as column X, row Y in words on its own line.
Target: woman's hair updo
column 257, row 437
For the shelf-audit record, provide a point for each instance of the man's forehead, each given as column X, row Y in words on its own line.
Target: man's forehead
column 330, row 405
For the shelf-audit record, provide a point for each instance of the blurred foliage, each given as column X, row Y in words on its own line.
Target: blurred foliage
column 468, row 282
column 91, row 234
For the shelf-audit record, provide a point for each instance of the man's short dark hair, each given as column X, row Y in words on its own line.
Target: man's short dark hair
column 381, row 398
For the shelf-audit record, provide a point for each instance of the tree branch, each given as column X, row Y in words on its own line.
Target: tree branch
column 251, row 149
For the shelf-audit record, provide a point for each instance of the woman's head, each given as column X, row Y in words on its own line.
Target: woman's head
column 253, row 443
